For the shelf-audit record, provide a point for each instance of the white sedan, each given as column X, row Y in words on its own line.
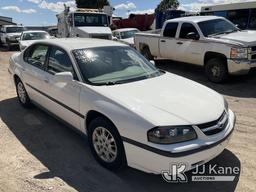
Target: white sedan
column 125, row 35
column 29, row 37
column 133, row 113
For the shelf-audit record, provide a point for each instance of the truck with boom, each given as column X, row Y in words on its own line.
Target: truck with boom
column 90, row 23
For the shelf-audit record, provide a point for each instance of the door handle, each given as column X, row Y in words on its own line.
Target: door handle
column 179, row 43
column 46, row 80
column 163, row 41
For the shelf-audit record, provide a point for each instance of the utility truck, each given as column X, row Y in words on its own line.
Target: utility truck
column 90, row 23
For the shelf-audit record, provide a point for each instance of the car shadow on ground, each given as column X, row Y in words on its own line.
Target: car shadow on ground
column 238, row 86
column 67, row 156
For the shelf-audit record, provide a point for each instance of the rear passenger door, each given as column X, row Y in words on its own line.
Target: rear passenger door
column 167, row 42
column 63, row 97
column 33, row 74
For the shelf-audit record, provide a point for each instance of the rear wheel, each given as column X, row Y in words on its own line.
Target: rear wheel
column 22, row 94
column 216, row 70
column 106, row 144
column 146, row 53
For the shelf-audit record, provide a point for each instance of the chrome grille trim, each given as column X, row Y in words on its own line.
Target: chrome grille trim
column 215, row 126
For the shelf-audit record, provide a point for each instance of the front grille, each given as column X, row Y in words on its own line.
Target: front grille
column 214, row 127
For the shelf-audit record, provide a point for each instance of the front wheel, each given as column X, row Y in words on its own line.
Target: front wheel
column 216, row 70
column 106, row 144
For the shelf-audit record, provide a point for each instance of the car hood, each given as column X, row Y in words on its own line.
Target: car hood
column 96, row 30
column 246, row 37
column 129, row 41
column 167, row 100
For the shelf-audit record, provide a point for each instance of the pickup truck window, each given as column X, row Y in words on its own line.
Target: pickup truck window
column 187, row 28
column 14, row 29
column 216, row 27
column 170, row 30
column 113, row 65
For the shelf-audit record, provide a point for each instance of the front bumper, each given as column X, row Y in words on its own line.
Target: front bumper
column 151, row 161
column 240, row 67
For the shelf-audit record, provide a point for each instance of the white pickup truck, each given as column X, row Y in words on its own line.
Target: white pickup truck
column 209, row 41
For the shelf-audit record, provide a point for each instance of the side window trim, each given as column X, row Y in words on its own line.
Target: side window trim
column 48, row 56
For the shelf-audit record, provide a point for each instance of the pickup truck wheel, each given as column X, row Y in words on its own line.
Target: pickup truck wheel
column 216, row 70
column 22, row 94
column 146, row 53
column 106, row 144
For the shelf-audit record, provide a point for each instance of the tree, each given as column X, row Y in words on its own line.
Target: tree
column 91, row 4
column 167, row 4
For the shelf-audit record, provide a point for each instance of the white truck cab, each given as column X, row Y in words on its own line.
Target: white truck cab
column 90, row 23
column 209, row 41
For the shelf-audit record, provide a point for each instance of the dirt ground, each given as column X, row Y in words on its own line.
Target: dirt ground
column 38, row 153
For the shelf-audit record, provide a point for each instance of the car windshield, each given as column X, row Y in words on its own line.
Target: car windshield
column 35, row 36
column 86, row 19
column 216, row 27
column 113, row 65
column 14, row 29
column 128, row 34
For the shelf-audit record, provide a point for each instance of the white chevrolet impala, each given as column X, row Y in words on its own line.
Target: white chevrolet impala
column 133, row 113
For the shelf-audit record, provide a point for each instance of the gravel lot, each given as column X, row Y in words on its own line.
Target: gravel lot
column 38, row 153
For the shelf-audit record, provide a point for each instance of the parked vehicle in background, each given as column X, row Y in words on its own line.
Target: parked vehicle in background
column 241, row 14
column 143, row 22
column 125, row 35
column 53, row 31
column 132, row 112
column 29, row 37
column 90, row 23
column 10, row 34
column 209, row 41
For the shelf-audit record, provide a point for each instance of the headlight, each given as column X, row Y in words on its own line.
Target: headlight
column 239, row 53
column 171, row 134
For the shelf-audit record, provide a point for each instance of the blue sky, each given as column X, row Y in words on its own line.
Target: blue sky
column 42, row 12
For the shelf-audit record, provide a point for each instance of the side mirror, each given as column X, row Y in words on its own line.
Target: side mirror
column 193, row 36
column 63, row 77
column 18, row 38
column 152, row 62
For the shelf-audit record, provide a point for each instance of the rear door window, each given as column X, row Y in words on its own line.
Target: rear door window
column 36, row 55
column 170, row 30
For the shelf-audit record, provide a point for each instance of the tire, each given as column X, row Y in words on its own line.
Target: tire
column 108, row 150
column 216, row 70
column 22, row 94
column 147, row 54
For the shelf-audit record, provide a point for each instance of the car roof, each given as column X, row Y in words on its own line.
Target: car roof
column 80, row 43
column 125, row 29
column 195, row 19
